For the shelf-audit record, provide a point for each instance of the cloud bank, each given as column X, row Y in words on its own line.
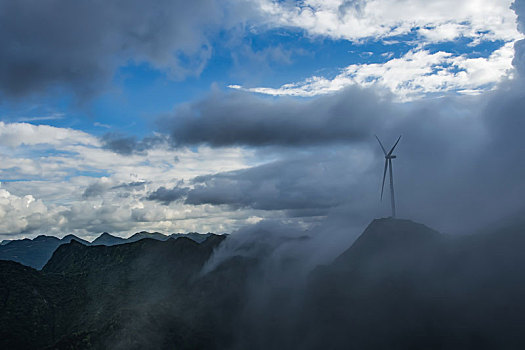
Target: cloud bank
column 243, row 119
column 356, row 20
column 417, row 74
column 81, row 44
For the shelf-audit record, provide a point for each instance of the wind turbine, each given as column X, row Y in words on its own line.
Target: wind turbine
column 388, row 164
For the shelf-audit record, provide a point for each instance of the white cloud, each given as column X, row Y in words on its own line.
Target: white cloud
column 20, row 214
column 434, row 21
column 417, row 73
column 17, row 134
column 46, row 169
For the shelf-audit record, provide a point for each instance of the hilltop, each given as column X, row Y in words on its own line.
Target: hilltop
column 402, row 285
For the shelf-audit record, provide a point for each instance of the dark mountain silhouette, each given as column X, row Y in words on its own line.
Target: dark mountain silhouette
column 143, row 234
column 107, row 239
column 401, row 285
column 144, row 294
column 197, row 237
column 387, row 238
column 34, row 252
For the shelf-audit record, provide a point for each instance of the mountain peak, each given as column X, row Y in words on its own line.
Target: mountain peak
column 75, row 242
column 71, row 238
column 398, row 226
column 195, row 236
column 388, row 235
column 44, row 238
column 107, row 239
column 105, row 235
column 144, row 234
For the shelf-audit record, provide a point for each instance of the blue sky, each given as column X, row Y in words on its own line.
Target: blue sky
column 96, row 98
column 266, row 56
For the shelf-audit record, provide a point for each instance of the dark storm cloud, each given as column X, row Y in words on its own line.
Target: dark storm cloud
column 95, row 189
column 308, row 186
column 166, row 196
column 456, row 169
column 81, row 43
column 519, row 56
column 131, row 185
column 100, row 188
column 127, row 145
column 519, row 46
column 519, row 9
column 239, row 118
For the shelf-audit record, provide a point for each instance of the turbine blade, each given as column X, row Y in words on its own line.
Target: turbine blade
column 380, row 144
column 384, row 177
column 392, row 150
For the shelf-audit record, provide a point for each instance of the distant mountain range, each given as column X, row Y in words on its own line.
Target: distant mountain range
column 99, row 296
column 401, row 285
column 36, row 252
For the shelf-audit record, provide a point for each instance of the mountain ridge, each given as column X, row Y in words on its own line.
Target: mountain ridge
column 37, row 251
column 83, row 292
column 34, row 252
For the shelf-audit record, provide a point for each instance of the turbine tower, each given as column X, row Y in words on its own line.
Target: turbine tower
column 388, row 165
